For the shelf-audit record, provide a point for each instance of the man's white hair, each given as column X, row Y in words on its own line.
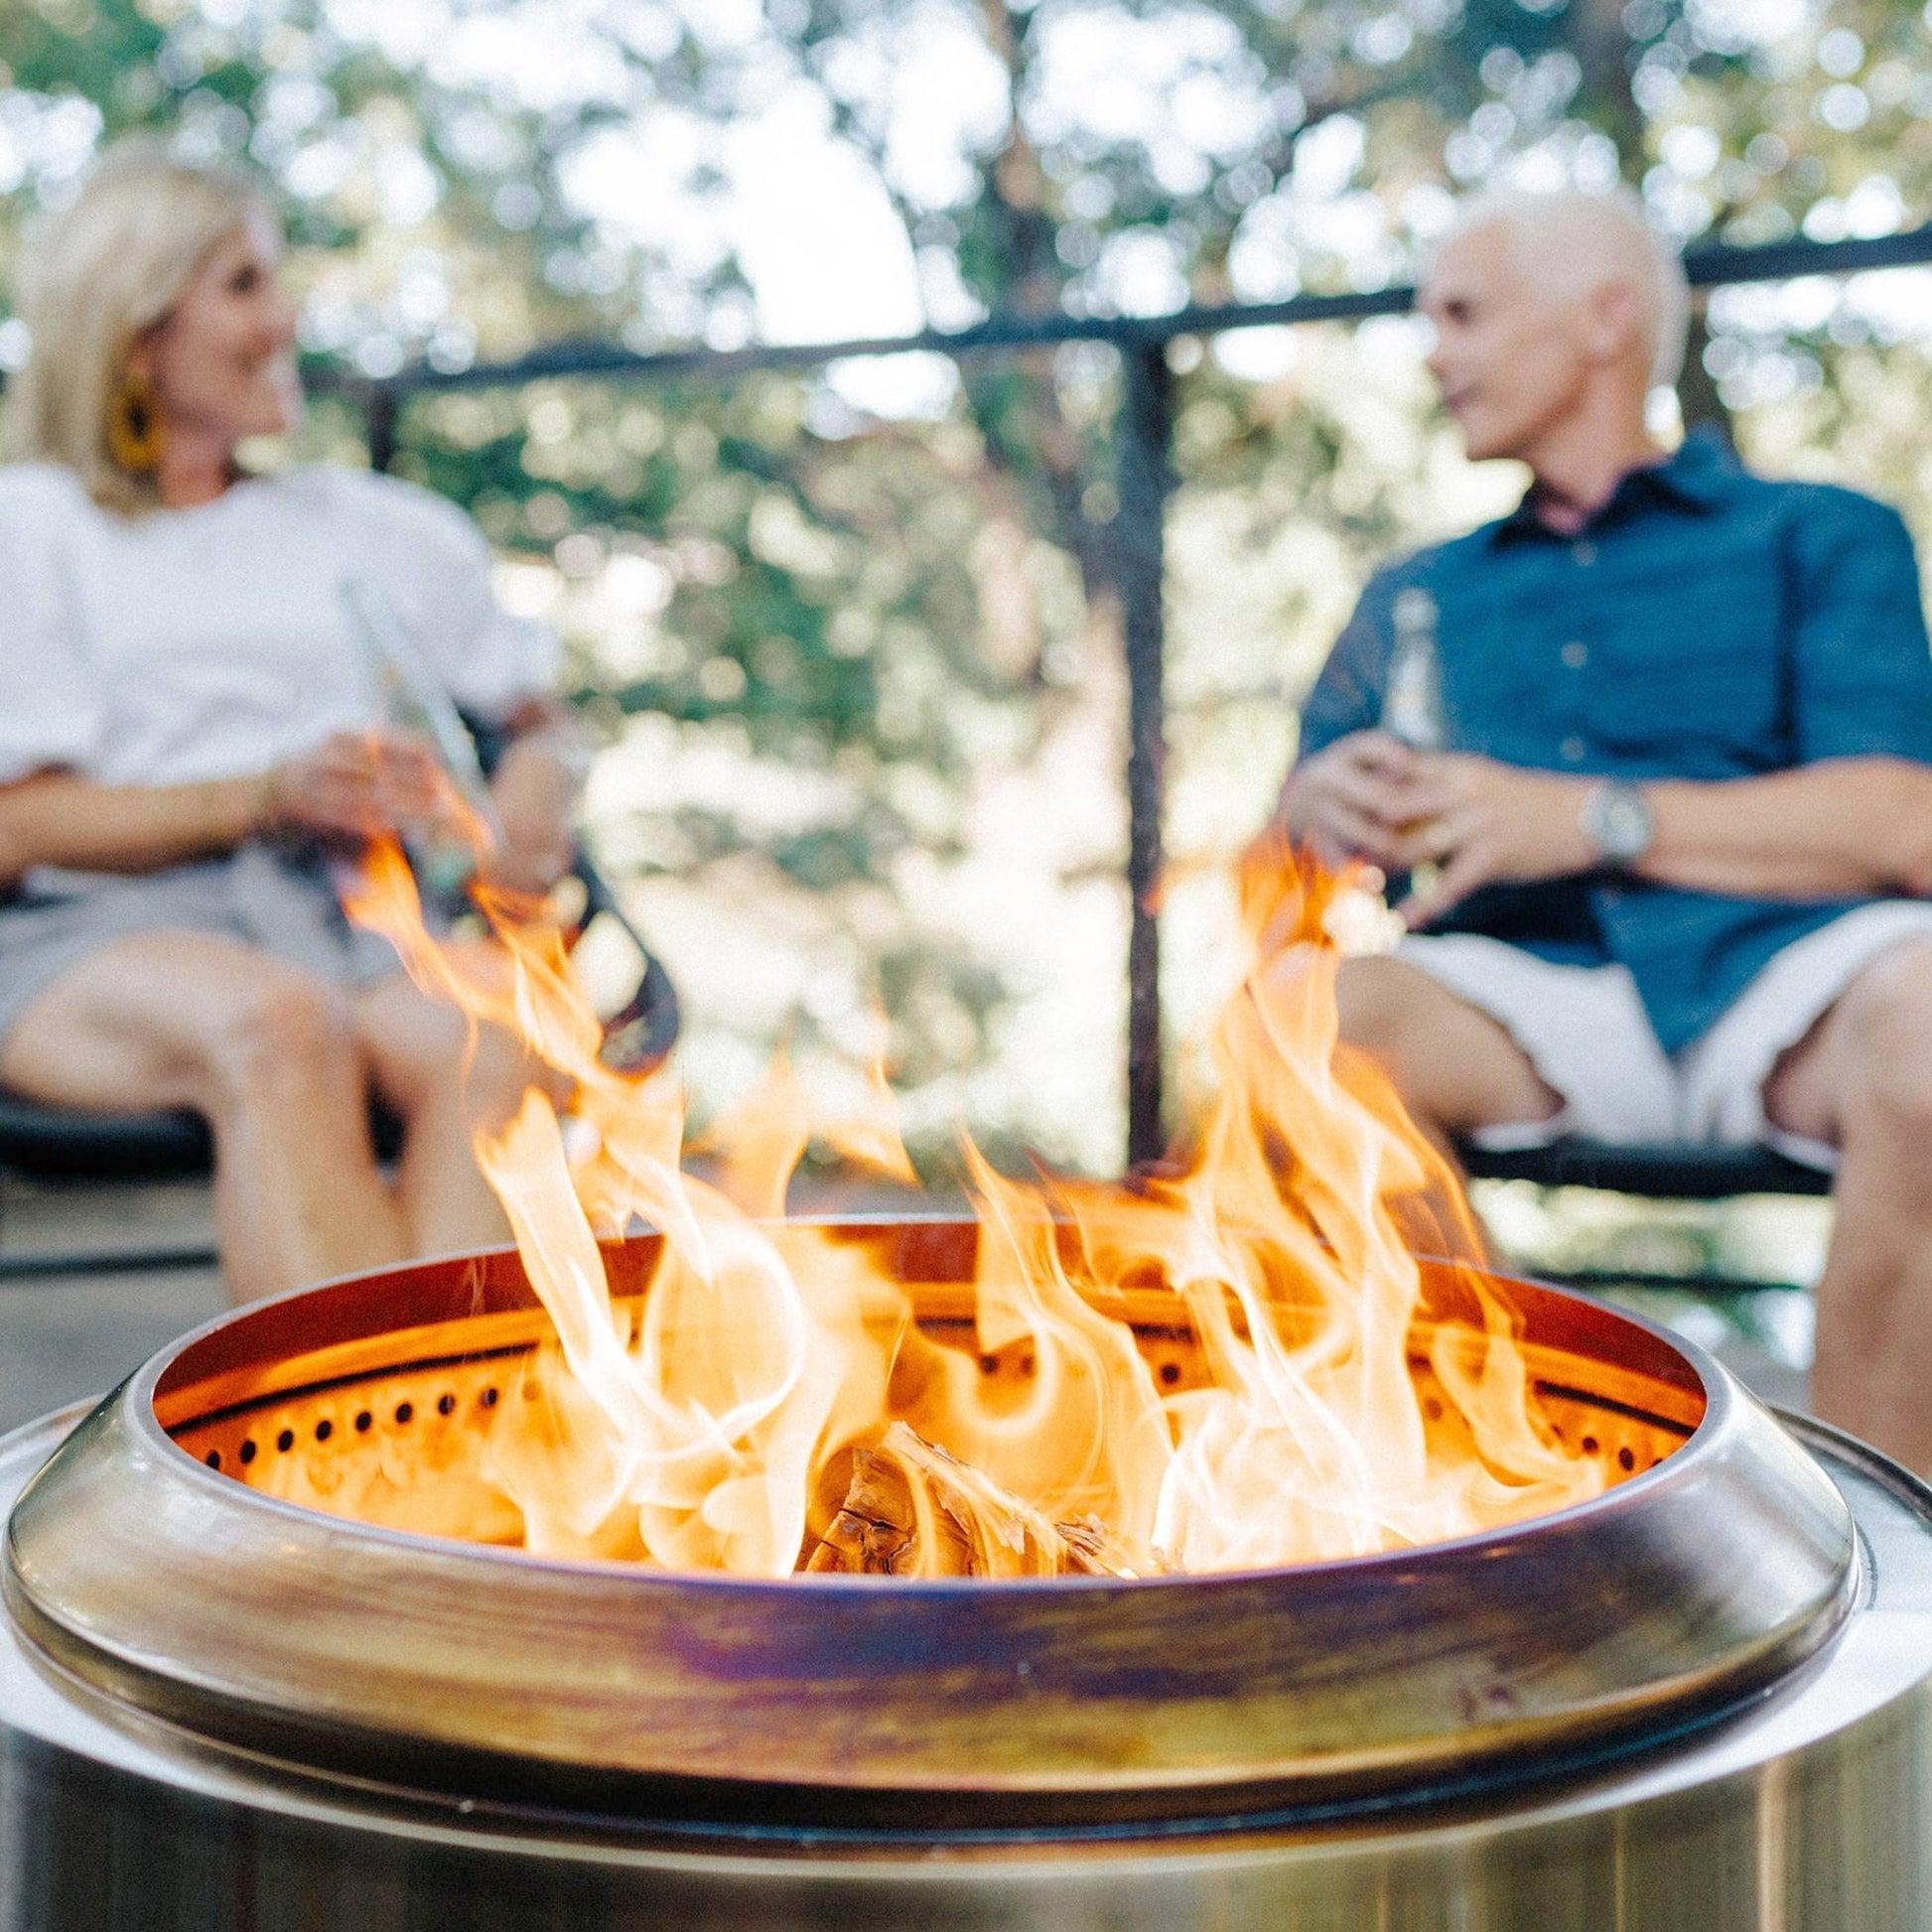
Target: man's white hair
column 1571, row 243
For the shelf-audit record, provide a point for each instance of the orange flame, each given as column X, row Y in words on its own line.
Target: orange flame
column 771, row 1404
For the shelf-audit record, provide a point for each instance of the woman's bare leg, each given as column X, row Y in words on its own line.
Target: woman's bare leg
column 423, row 1063
column 266, row 1053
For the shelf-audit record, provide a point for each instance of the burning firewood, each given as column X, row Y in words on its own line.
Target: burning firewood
column 1091, row 1550
column 913, row 1510
column 872, row 1533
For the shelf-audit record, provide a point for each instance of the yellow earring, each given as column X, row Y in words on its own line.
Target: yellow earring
column 134, row 424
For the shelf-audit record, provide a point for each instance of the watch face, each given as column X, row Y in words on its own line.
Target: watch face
column 1621, row 823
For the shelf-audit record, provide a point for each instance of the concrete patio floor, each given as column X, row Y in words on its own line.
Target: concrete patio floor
column 65, row 1336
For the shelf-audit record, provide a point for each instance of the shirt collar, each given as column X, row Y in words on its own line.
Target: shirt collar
column 1692, row 477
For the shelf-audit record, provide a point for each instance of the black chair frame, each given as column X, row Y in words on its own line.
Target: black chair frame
column 1662, row 1170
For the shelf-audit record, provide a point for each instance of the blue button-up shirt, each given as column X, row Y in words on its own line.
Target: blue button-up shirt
column 1706, row 624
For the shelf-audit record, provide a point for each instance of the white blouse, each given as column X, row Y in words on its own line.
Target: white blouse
column 211, row 643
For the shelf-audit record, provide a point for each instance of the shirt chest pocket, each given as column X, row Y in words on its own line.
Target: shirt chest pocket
column 1689, row 674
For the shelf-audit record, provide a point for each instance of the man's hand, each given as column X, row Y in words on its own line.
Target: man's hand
column 354, row 785
column 1484, row 823
column 1350, row 801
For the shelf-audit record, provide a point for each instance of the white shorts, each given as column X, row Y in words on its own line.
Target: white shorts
column 1584, row 1031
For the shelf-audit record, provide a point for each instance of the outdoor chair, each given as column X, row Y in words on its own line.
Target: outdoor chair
column 1660, row 1170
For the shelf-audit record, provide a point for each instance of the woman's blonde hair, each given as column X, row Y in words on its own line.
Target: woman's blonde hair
column 103, row 272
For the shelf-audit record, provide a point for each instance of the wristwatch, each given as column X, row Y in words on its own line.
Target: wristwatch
column 1617, row 821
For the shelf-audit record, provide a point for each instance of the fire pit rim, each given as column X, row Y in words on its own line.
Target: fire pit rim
column 1721, row 1395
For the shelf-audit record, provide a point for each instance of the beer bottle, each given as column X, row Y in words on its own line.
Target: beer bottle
column 1412, row 700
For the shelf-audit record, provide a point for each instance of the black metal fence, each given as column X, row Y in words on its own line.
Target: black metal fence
column 1144, row 435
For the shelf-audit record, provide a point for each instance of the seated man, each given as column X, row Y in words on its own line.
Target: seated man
column 1667, row 861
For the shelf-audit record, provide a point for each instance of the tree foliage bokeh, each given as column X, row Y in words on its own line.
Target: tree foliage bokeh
column 852, row 638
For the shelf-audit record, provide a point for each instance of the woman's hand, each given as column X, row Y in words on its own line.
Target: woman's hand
column 1349, row 801
column 355, row 785
column 536, row 790
column 1483, row 823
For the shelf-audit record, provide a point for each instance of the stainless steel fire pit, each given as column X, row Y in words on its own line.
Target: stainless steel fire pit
column 246, row 1652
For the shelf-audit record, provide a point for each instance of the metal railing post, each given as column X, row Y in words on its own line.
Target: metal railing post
column 1146, row 475
column 381, row 407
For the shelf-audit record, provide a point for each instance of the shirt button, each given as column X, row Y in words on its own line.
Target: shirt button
column 1584, row 553
column 1572, row 749
column 1576, row 655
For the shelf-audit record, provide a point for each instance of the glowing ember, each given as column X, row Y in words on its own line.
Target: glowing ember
column 773, row 1407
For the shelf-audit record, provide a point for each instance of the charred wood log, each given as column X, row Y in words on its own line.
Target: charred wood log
column 913, row 1510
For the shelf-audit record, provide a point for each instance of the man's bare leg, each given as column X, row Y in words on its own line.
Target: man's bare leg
column 266, row 1054
column 1455, row 1068
column 1861, row 1078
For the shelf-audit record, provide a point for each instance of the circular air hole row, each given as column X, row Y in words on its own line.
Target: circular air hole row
column 405, row 1413
column 1626, row 1457
column 989, row 1365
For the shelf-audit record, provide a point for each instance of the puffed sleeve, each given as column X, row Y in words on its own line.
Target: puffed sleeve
column 432, row 564
column 1860, row 667
column 52, row 707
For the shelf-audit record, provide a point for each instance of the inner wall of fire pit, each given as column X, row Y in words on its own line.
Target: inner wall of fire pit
column 395, row 1431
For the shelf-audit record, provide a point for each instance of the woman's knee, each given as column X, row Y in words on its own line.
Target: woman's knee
column 276, row 1029
column 173, row 1019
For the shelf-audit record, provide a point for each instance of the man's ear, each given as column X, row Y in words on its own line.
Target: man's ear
column 1614, row 324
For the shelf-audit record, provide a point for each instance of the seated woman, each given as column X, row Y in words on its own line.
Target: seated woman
column 191, row 723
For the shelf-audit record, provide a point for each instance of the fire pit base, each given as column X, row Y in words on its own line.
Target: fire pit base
column 1805, row 1811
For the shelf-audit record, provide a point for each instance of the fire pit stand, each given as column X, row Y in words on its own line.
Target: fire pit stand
column 1699, row 1700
